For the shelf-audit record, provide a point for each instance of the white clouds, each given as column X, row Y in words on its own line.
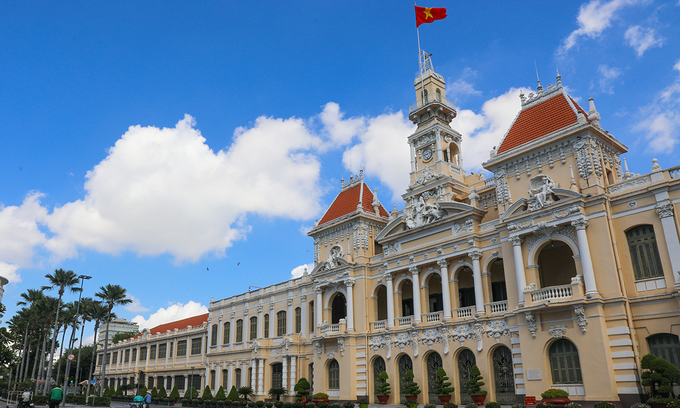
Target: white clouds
column 383, row 151
column 661, row 119
column 641, row 39
column 461, row 87
column 165, row 190
column 9, row 271
column 298, row 271
column 593, row 18
column 607, row 77
column 341, row 131
column 177, row 311
column 135, row 306
column 484, row 130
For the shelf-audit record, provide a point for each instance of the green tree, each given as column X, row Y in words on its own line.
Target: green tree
column 111, row 296
column 383, row 387
column 233, row 394
column 659, row 375
column 276, row 392
column 29, row 298
column 191, row 393
column 408, row 386
column 99, row 313
column 162, row 393
column 302, row 388
column 245, row 392
column 219, row 395
column 62, row 280
column 124, row 335
column 475, row 383
column 207, row 394
column 442, row 384
column 174, row 394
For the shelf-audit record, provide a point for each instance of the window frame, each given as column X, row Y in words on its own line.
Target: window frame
column 281, row 322
column 181, row 348
column 239, row 331
column 196, row 346
column 334, row 375
column 253, row 328
column 644, row 253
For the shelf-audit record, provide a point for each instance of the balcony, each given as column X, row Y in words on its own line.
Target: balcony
column 434, row 98
column 575, row 290
column 498, row 307
column 432, row 317
column 379, row 325
column 403, row 321
column 464, row 312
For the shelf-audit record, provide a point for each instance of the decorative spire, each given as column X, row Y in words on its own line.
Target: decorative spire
column 376, row 203
column 539, row 88
column 558, row 82
column 593, row 115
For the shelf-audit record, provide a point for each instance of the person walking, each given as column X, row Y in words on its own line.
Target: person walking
column 147, row 400
column 55, row 396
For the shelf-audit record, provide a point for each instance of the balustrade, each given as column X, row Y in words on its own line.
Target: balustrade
column 464, row 312
column 404, row 321
column 432, row 317
column 553, row 292
column 379, row 325
column 499, row 307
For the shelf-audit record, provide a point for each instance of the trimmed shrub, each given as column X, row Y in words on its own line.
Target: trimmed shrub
column 475, row 383
column 219, row 395
column 162, row 393
column 174, row 394
column 383, row 387
column 442, row 384
column 207, row 394
column 555, row 393
column 409, row 386
column 233, row 394
column 491, row 404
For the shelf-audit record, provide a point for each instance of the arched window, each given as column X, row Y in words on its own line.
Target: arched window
column 266, row 326
column 298, row 320
column 564, row 363
column 213, row 335
column 253, row 328
column 334, row 375
column 339, row 308
column 556, row 265
column 407, row 298
column 237, row 374
column 225, row 338
column 239, row 331
column 466, row 287
column 434, row 284
column 498, row 291
column 644, row 254
column 439, row 95
column 281, row 323
column 666, row 346
column 381, row 303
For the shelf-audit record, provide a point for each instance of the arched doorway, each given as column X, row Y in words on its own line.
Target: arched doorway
column 405, row 364
column 407, row 298
column 504, row 378
column 338, row 308
column 466, row 288
column 497, row 272
column 434, row 361
column 378, row 367
column 466, row 359
column 434, row 283
column 381, row 303
column 556, row 264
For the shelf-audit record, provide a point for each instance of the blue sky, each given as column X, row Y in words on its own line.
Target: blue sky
column 183, row 149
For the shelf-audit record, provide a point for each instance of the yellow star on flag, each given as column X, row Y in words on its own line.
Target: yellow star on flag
column 428, row 12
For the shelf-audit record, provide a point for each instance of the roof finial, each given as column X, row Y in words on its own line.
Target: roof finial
column 539, row 88
column 559, row 78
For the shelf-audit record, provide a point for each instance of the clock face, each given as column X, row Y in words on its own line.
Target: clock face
column 427, row 154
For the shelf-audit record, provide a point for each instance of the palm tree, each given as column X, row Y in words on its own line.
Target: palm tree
column 98, row 312
column 85, row 305
column 66, row 317
column 29, row 298
column 44, row 307
column 63, row 280
column 111, row 295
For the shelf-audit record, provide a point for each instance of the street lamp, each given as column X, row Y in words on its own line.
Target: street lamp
column 82, row 278
column 191, row 384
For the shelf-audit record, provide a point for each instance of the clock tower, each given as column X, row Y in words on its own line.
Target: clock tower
column 437, row 172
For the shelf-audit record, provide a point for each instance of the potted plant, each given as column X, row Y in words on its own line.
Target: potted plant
column 382, row 389
column 348, row 404
column 443, row 387
column 320, row 397
column 409, row 387
column 492, row 404
column 475, row 386
column 658, row 376
column 556, row 397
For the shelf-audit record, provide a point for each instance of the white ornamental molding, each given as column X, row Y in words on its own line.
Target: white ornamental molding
column 502, row 189
column 392, row 248
column 381, row 342
column 557, row 331
column 318, row 347
column 422, row 213
column 254, row 347
column 629, row 184
column 565, row 213
column 330, row 354
column 427, row 176
column 583, row 159
column 470, row 331
column 531, row 323
column 406, row 339
column 334, row 255
column 286, row 342
column 541, row 192
column 341, row 347
column 361, row 232
column 581, row 318
column 439, row 335
column 497, row 328
column 664, row 210
column 515, row 226
column 567, row 231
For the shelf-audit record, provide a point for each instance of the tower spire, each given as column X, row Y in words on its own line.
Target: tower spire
column 539, row 88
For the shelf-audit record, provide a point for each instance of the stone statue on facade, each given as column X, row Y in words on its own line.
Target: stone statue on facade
column 541, row 192
column 423, row 213
column 333, row 255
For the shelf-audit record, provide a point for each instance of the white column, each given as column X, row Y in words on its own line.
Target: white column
column 186, row 382
column 285, row 371
column 272, row 319
column 416, row 293
column 413, row 156
column 232, row 331
column 207, row 380
column 260, row 376
column 476, row 255
column 220, row 333
column 230, row 378
column 446, row 292
column 390, row 298
column 516, row 241
column 293, row 379
column 253, row 373
column 349, row 284
column 318, row 307
column 670, row 233
column 303, row 317
column 586, row 261
column 259, row 322
column 218, row 379
column 289, row 317
column 438, row 143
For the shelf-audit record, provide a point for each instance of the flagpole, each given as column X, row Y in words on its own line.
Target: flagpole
column 420, row 65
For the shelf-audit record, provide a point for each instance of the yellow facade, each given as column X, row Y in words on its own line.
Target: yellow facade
column 560, row 271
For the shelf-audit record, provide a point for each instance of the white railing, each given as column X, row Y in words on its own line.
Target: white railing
column 465, row 311
column 499, row 307
column 404, row 321
column 330, row 328
column 379, row 325
column 431, row 98
column 553, row 292
column 674, row 172
column 432, row 317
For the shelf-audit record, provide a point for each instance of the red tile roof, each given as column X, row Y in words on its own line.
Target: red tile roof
column 180, row 324
column 346, row 203
column 547, row 116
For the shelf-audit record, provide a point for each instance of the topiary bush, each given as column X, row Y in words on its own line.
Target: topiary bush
column 219, row 395
column 492, row 405
column 475, row 383
column 442, row 385
column 554, row 393
column 207, row 394
column 658, row 375
column 233, row 394
column 383, row 387
column 174, row 394
column 408, row 386
column 191, row 393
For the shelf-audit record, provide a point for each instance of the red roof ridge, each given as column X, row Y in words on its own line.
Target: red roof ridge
column 354, row 195
column 180, row 324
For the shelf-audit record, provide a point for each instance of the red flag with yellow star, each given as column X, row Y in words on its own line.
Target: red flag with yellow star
column 429, row 14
